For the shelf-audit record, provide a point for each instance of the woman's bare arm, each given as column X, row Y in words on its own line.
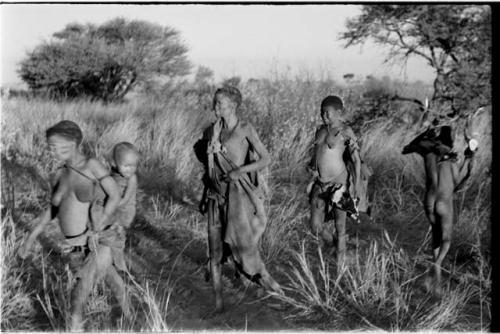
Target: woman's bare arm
column 43, row 219
column 264, row 157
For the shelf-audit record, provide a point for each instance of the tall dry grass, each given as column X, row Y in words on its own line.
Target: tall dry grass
column 35, row 294
column 18, row 307
column 377, row 291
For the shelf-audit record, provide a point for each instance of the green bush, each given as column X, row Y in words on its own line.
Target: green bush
column 104, row 62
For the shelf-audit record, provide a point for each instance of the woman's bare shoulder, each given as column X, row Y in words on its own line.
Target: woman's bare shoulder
column 248, row 129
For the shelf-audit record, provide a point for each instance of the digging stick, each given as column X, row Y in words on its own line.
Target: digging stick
column 215, row 250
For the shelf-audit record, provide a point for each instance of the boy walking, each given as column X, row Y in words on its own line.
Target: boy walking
column 333, row 192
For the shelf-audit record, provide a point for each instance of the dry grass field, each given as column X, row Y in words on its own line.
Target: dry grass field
column 381, row 288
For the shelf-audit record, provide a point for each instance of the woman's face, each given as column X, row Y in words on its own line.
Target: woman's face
column 224, row 106
column 62, row 148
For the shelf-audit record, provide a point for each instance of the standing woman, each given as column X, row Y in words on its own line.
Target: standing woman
column 83, row 198
column 233, row 197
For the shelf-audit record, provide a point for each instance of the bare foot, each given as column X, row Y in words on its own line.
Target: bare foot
column 428, row 282
column 341, row 262
column 432, row 286
column 218, row 311
column 219, row 306
column 245, row 281
column 76, row 323
column 269, row 284
column 277, row 288
column 438, row 290
column 127, row 313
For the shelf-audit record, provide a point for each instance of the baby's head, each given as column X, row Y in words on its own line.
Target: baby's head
column 331, row 109
column 227, row 99
column 63, row 139
column 125, row 159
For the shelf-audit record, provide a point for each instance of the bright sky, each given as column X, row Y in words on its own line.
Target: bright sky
column 248, row 41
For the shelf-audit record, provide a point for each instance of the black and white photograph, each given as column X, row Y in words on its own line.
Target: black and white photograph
column 246, row 166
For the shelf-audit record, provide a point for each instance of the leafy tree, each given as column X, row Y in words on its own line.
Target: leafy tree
column 233, row 81
column 203, row 75
column 105, row 61
column 455, row 40
column 203, row 82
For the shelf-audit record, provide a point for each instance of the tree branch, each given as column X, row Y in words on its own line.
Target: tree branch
column 396, row 97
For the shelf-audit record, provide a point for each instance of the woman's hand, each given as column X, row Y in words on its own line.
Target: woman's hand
column 313, row 172
column 103, row 221
column 233, row 175
column 23, row 251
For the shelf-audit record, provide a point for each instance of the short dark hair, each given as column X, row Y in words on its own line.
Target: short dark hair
column 231, row 92
column 332, row 101
column 66, row 129
column 123, row 147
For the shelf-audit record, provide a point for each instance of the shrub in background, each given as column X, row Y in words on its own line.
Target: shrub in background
column 104, row 62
